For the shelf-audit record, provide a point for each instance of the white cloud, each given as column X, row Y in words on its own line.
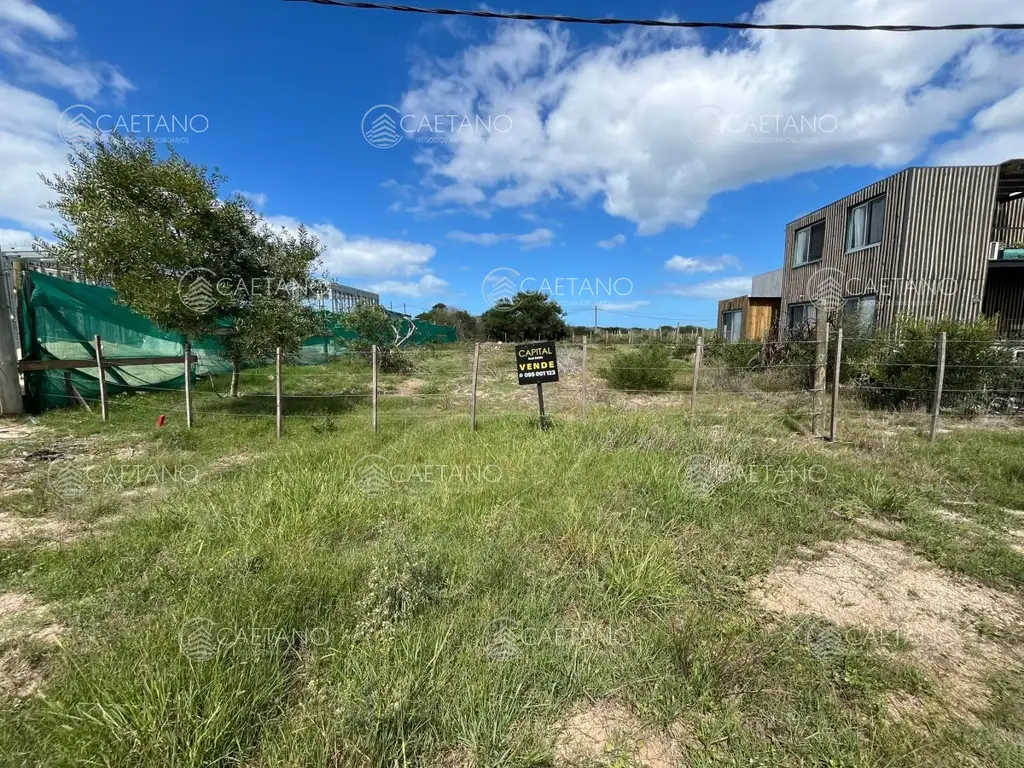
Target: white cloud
column 258, row 199
column 538, row 238
column 29, row 145
column 654, row 125
column 36, row 45
column 692, row 265
column 15, row 239
column 428, row 285
column 613, row 242
column 52, row 60
column 24, row 15
column 998, row 134
column 361, row 256
column 725, row 288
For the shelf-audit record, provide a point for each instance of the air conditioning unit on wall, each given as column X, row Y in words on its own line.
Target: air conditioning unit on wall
column 994, row 248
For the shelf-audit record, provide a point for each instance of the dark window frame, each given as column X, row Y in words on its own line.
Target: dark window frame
column 725, row 324
column 869, row 204
column 857, row 303
column 808, row 307
column 810, row 229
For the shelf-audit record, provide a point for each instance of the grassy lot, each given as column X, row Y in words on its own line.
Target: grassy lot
column 623, row 589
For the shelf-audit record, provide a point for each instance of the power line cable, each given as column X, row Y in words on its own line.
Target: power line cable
column 739, row 25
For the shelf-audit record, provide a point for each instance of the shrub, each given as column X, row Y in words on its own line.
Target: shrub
column 731, row 354
column 649, row 368
column 978, row 369
column 685, row 349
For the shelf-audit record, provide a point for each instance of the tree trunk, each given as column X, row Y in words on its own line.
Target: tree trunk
column 236, row 368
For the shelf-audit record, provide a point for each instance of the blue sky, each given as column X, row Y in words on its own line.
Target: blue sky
column 662, row 165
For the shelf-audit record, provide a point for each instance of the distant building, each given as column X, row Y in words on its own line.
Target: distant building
column 752, row 316
column 342, row 298
column 942, row 243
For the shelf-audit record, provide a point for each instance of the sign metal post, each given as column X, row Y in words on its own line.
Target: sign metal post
column 537, row 363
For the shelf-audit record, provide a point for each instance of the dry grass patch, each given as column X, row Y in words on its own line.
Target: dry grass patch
column 881, row 587
column 606, row 733
column 22, row 620
column 14, row 528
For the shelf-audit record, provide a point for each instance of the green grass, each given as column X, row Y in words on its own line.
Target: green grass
column 291, row 609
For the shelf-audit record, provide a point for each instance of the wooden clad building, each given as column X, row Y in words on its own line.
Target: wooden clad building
column 924, row 243
column 752, row 316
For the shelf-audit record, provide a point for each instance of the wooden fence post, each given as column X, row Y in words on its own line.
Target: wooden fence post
column 101, row 377
column 585, row 377
column 374, row 387
column 696, row 372
column 820, row 365
column 188, row 384
column 938, row 385
column 835, row 384
column 278, row 394
column 472, row 403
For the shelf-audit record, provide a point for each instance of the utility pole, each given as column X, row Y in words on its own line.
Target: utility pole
column 403, row 309
column 595, row 320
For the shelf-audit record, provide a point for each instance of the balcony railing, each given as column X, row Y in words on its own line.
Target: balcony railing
column 1009, row 236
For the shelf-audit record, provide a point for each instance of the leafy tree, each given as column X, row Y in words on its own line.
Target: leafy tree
column 527, row 316
column 155, row 230
column 466, row 326
column 378, row 328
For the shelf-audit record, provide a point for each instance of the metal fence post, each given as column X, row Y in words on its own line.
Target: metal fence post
column 101, row 377
column 374, row 387
column 938, row 385
column 472, row 403
column 188, row 384
column 278, row 394
column 696, row 372
column 835, row 384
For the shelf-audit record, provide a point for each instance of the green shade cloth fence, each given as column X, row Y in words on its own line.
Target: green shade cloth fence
column 59, row 320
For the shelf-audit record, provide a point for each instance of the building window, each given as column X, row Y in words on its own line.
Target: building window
column 865, row 224
column 859, row 312
column 802, row 316
column 732, row 324
column 809, row 244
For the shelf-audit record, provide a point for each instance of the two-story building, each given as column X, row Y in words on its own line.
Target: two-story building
column 925, row 243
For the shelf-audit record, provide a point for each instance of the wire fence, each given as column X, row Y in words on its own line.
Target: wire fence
column 818, row 384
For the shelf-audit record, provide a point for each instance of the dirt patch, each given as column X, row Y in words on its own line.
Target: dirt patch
column 225, row 463
column 18, row 431
column 879, row 527
column 12, row 471
column 22, row 620
column 13, row 528
column 951, row 516
column 410, row 387
column 881, row 587
column 607, row 733
column 903, row 707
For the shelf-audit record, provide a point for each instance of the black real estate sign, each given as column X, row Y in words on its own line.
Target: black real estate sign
column 536, row 363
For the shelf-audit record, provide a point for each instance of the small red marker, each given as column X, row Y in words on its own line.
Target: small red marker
column 161, row 420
